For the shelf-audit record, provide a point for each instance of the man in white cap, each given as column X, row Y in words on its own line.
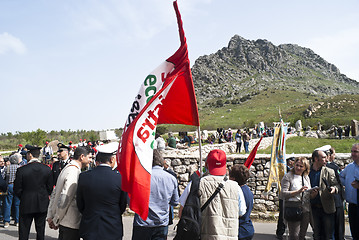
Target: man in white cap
column 100, row 198
column 339, row 222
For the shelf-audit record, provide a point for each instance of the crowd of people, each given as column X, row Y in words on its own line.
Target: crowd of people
column 83, row 198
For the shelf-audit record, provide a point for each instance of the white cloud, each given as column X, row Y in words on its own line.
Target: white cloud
column 9, row 43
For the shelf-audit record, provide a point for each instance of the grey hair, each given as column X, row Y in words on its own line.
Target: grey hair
column 15, row 159
column 355, row 145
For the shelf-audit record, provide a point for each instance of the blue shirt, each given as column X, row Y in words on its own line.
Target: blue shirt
column 314, row 177
column 164, row 192
column 347, row 176
column 246, row 228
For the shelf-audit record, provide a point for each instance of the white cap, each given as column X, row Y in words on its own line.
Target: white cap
column 325, row 148
column 108, row 148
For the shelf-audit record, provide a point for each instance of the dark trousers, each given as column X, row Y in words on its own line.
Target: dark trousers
column 25, row 225
column 238, row 149
column 280, row 224
column 323, row 224
column 339, row 223
column 149, row 233
column 354, row 220
column 66, row 233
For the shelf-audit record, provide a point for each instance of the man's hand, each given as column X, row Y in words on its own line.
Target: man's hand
column 313, row 193
column 332, row 190
column 51, row 224
column 355, row 184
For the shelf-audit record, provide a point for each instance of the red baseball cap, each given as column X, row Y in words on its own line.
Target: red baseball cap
column 217, row 162
column 20, row 145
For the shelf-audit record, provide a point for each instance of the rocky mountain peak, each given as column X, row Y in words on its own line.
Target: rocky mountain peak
column 248, row 66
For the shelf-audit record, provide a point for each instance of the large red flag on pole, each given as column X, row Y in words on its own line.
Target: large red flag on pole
column 166, row 96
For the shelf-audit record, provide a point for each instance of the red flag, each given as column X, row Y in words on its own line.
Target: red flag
column 252, row 155
column 166, row 96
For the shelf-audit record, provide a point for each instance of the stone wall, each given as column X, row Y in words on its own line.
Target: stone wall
column 184, row 165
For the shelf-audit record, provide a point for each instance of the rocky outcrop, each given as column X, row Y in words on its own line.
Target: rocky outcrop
column 245, row 67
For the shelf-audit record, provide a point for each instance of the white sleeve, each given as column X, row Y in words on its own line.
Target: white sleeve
column 184, row 196
column 242, row 202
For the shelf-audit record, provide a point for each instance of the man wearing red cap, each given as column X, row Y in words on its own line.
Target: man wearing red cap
column 220, row 218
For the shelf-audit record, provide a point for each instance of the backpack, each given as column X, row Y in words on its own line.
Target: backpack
column 189, row 226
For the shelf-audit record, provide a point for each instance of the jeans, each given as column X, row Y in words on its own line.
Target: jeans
column 149, row 233
column 8, row 203
column 246, row 144
column 323, row 224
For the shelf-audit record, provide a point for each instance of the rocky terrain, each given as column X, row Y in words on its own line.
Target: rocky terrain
column 247, row 67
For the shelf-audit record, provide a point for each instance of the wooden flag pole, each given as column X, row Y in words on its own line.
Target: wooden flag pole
column 200, row 150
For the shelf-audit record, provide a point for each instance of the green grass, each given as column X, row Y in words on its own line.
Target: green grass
column 265, row 107
column 307, row 145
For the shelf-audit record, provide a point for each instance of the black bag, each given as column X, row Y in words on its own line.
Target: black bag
column 293, row 211
column 189, row 226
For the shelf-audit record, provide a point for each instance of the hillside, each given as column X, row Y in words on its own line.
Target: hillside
column 246, row 67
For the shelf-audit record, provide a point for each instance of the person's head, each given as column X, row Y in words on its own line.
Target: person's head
column 355, row 153
column 239, row 173
column 46, row 143
column 32, row 152
column 217, row 162
column 16, row 158
column 82, row 155
column 331, row 155
column 319, row 158
column 107, row 154
column 63, row 151
column 290, row 162
column 301, row 166
column 157, row 158
column 2, row 162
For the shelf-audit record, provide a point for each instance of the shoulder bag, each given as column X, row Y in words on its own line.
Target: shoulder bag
column 293, row 210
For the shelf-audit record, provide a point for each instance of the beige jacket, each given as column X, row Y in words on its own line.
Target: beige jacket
column 63, row 208
column 220, row 220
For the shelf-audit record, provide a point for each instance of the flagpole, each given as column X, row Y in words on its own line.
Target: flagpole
column 200, row 150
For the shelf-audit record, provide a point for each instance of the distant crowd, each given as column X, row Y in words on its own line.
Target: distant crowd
column 79, row 194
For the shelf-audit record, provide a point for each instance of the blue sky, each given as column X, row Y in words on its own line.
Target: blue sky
column 79, row 64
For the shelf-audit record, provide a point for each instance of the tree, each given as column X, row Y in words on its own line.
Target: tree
column 37, row 137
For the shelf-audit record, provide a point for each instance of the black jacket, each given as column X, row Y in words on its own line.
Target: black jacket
column 33, row 185
column 101, row 202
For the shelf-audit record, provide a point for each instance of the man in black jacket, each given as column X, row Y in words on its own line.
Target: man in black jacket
column 33, row 185
column 64, row 159
column 100, row 198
